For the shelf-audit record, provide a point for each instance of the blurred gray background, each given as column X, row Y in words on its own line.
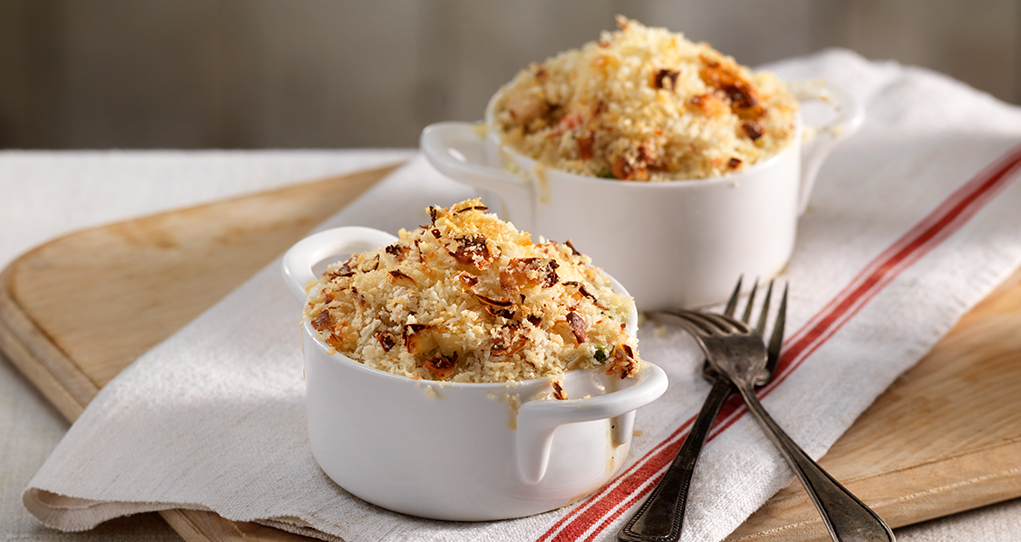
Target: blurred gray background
column 321, row 73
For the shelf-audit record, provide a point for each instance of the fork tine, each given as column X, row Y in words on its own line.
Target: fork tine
column 751, row 301
column 724, row 324
column 705, row 325
column 776, row 340
column 760, row 327
column 732, row 302
column 708, row 324
column 692, row 325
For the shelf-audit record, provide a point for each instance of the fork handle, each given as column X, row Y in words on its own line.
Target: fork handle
column 660, row 516
column 846, row 517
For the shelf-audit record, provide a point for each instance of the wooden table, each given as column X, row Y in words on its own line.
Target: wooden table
column 945, row 437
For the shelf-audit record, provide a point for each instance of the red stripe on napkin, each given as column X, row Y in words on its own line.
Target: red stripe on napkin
column 946, row 219
column 590, row 518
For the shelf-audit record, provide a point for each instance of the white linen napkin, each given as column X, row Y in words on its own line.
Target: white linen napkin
column 913, row 221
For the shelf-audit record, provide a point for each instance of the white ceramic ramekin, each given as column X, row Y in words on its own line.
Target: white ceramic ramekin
column 675, row 244
column 458, row 451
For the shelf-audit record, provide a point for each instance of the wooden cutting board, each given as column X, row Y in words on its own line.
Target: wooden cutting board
column 945, row 437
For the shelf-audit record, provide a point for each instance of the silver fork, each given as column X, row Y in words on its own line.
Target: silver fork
column 661, row 516
column 737, row 354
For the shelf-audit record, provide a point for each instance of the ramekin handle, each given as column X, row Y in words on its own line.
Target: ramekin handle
column 458, row 151
column 538, row 420
column 850, row 113
column 333, row 243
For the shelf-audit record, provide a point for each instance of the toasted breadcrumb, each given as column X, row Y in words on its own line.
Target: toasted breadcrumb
column 468, row 298
column 645, row 104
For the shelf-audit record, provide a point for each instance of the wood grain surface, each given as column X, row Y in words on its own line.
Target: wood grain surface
column 76, row 311
column 945, row 437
